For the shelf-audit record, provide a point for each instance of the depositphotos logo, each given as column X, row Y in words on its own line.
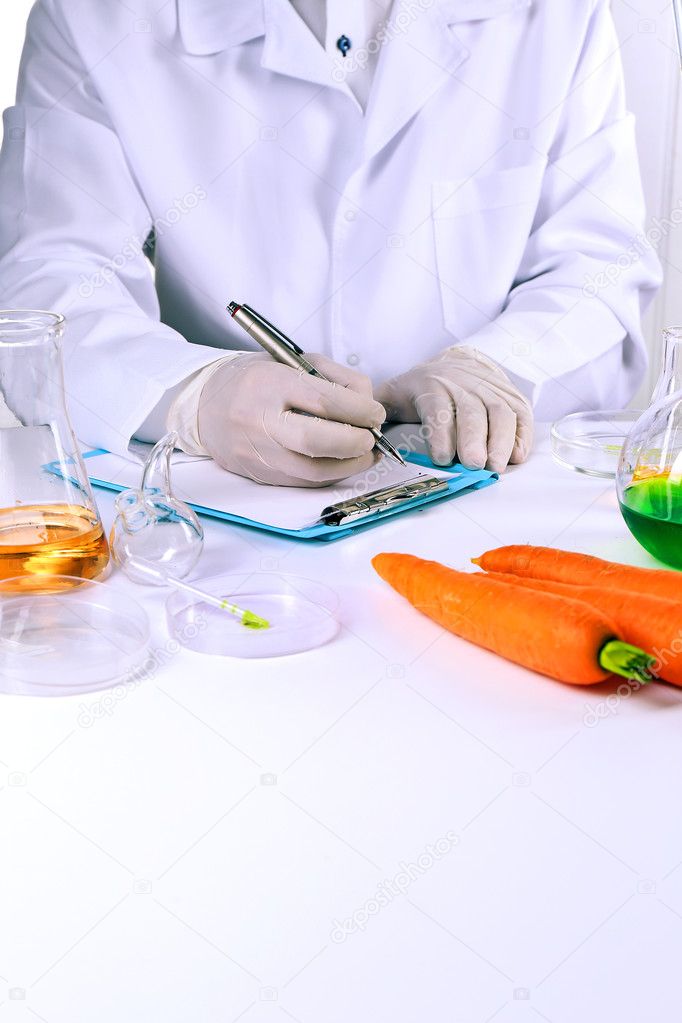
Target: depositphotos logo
column 387, row 891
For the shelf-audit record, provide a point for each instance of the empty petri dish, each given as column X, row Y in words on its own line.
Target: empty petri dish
column 301, row 614
column 591, row 442
column 81, row 637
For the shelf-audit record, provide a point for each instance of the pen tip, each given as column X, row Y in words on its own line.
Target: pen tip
column 233, row 308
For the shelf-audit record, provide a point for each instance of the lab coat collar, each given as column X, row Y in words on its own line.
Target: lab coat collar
column 209, row 26
column 292, row 49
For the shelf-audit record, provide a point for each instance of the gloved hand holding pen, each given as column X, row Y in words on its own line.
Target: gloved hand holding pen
column 250, row 421
column 468, row 407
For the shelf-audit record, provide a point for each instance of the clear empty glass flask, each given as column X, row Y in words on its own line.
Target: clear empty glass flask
column 154, row 535
column 50, row 529
column 649, row 478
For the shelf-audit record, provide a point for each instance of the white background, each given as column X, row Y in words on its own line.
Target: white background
column 181, row 849
column 646, row 31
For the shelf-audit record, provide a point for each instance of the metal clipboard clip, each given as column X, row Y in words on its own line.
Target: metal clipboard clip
column 381, row 500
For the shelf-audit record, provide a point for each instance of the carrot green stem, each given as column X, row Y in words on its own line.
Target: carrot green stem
column 629, row 661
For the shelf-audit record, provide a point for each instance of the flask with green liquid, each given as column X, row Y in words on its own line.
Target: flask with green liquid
column 649, row 478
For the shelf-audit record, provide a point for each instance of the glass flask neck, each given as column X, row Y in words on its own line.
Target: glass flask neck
column 31, row 374
column 670, row 379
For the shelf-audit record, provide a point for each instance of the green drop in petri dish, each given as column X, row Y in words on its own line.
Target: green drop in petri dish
column 652, row 509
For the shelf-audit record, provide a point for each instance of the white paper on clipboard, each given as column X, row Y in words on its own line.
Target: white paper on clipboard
column 199, row 481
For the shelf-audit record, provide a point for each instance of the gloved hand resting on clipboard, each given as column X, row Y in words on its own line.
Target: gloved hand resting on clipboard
column 467, row 406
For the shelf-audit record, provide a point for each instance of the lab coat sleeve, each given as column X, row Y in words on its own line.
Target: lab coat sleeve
column 570, row 335
column 72, row 226
column 178, row 410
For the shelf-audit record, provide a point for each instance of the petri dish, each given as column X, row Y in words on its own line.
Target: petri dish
column 591, row 442
column 82, row 637
column 301, row 613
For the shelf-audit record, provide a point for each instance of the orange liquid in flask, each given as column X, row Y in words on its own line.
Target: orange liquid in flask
column 52, row 539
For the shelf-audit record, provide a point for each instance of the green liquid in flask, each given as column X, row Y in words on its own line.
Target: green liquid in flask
column 652, row 509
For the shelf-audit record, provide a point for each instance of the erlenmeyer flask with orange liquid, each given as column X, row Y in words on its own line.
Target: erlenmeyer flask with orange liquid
column 49, row 524
column 649, row 478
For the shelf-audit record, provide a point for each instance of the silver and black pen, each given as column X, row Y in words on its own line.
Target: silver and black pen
column 286, row 351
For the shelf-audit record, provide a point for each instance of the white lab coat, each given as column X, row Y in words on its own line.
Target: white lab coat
column 491, row 181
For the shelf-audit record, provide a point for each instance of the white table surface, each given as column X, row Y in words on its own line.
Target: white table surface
column 192, row 848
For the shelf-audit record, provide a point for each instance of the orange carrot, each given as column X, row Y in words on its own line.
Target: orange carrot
column 581, row 569
column 652, row 623
column 554, row 635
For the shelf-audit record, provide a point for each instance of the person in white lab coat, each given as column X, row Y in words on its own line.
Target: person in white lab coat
column 437, row 196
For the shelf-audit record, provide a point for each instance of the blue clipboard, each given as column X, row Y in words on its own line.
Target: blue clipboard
column 462, row 481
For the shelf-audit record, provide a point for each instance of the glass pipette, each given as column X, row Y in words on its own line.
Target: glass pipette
column 248, row 619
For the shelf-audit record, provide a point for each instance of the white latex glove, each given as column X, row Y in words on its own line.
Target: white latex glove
column 249, row 421
column 467, row 406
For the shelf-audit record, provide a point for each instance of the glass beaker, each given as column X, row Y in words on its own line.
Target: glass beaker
column 49, row 523
column 649, row 478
